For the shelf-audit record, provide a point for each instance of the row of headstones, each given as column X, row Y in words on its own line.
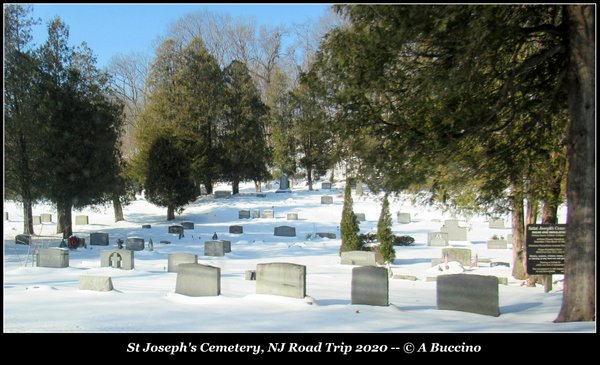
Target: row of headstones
column 267, row 213
column 47, row 218
column 440, row 239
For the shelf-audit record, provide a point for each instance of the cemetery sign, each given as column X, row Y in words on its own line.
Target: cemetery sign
column 546, row 249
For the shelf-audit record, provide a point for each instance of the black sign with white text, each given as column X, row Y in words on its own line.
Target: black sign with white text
column 546, row 249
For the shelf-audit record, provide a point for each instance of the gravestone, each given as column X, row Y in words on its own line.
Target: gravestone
column 261, row 195
column 236, row 229
column 95, row 283
column 146, row 226
column 284, row 185
column 46, row 218
column 285, row 231
column 52, row 257
column 329, row 235
column 455, row 233
column 36, row 219
column 23, row 239
column 468, row 293
column 226, row 246
column 135, row 244
column 496, row 223
column 176, row 229
column 280, row 278
column 326, row 199
column 360, row 217
column 250, row 275
column 196, row 280
column 370, row 285
column 497, row 245
column 98, row 239
column 255, row 213
column 175, row 259
column 451, row 223
column 325, row 185
column 187, row 225
column 214, row 248
column 118, row 259
column 359, row 189
column 244, row 214
column 363, row 258
column 403, row 218
column 165, row 242
column 221, row 194
column 268, row 213
column 292, row 216
column 437, row 239
column 461, row 255
column 82, row 219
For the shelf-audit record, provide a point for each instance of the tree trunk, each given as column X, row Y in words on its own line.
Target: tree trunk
column 118, row 209
column 532, row 210
column 257, row 186
column 209, row 188
column 170, row 213
column 235, row 186
column 549, row 213
column 519, row 270
column 65, row 223
column 309, row 176
column 579, row 302
column 27, row 218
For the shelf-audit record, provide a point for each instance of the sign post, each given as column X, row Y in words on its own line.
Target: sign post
column 546, row 251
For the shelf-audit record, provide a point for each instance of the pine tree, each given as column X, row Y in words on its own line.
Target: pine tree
column 384, row 232
column 349, row 225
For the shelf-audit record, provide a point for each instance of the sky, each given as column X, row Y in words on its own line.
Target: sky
column 111, row 29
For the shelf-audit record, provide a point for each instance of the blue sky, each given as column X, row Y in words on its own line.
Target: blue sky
column 111, row 29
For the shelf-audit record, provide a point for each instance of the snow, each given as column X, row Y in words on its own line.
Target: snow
column 48, row 300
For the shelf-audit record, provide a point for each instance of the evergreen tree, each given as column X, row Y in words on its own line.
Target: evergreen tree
column 168, row 181
column 349, row 225
column 384, row 232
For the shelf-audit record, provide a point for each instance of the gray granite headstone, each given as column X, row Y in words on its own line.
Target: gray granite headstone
column 497, row 245
column 326, row 199
column 176, row 229
column 363, row 258
column 280, row 278
column 226, row 246
column 165, row 242
column 468, row 293
column 255, row 213
column 118, row 259
column 236, row 229
column 214, row 248
column 461, row 255
column 135, row 244
column 196, row 280
column 261, row 195
column 437, row 239
column 403, row 218
column 329, row 235
column 451, row 223
column 52, row 257
column 220, row 194
column 292, row 216
column 455, row 233
column 496, row 223
column 46, row 218
column 175, row 259
column 360, row 217
column 23, row 239
column 146, row 226
column 187, row 225
column 325, row 185
column 36, row 219
column 285, row 231
column 244, row 214
column 284, row 183
column 268, row 213
column 99, row 239
column 82, row 220
column 96, row 283
column 370, row 285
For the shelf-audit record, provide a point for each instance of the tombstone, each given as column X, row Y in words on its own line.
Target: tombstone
column 370, row 285
column 359, row 189
column 283, row 182
column 36, row 219
column 292, row 216
column 268, row 213
column 499, row 263
column 175, row 259
column 236, row 229
column 46, row 218
column 325, row 185
column 468, row 293
column 244, row 214
column 261, row 195
column 196, row 280
column 23, row 239
column 176, row 229
column 255, row 213
column 329, row 235
column 461, row 255
column 285, row 231
column 52, row 257
column 214, row 248
column 146, row 226
column 360, row 217
column 226, row 246
column 497, row 245
column 165, row 242
column 99, row 239
column 280, row 278
column 496, row 223
column 326, row 199
column 187, row 225
column 118, row 259
column 363, row 258
column 250, row 275
column 437, row 239
column 451, row 223
column 455, row 233
column 95, row 283
column 403, row 218
column 221, row 194
column 135, row 244
column 82, row 219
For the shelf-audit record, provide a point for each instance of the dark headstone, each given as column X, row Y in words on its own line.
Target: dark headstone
column 370, row 285
column 187, row 225
column 23, row 239
column 244, row 214
column 285, row 231
column 135, row 244
column 176, row 229
column 236, row 229
column 468, row 293
column 146, row 226
column 165, row 242
column 99, row 239
column 326, row 235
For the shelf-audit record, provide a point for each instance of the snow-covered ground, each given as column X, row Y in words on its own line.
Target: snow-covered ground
column 48, row 300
